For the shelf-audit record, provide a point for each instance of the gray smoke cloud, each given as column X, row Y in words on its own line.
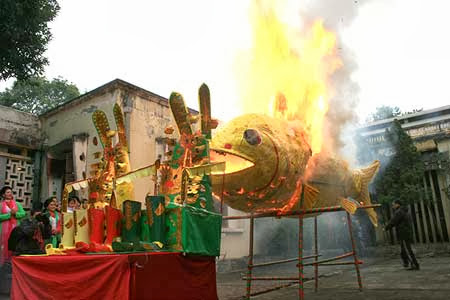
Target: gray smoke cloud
column 337, row 16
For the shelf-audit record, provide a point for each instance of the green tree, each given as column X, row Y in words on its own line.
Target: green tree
column 385, row 112
column 401, row 176
column 37, row 95
column 24, row 35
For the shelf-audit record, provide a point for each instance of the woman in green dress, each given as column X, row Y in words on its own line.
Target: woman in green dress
column 55, row 220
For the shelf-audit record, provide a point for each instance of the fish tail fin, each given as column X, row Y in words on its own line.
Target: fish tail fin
column 310, row 196
column 349, row 205
column 364, row 177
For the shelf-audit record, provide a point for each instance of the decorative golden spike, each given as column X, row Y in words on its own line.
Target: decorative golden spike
column 118, row 115
column 113, row 202
column 102, row 125
column 65, row 198
column 180, row 113
column 204, row 100
column 184, row 185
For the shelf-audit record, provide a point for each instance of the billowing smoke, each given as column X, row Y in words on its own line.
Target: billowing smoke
column 279, row 237
column 298, row 52
column 337, row 16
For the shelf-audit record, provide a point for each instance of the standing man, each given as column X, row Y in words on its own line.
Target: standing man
column 402, row 222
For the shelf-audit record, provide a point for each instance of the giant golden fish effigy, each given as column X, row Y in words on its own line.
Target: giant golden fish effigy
column 269, row 163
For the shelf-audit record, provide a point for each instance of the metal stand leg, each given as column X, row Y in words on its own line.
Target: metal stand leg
column 316, row 253
column 301, row 294
column 358, row 274
column 250, row 259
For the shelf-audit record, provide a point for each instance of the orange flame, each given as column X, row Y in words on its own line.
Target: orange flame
column 286, row 73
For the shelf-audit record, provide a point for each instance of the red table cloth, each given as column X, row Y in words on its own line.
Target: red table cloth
column 158, row 276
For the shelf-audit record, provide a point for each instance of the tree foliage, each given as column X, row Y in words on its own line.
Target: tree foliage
column 24, row 35
column 385, row 112
column 401, row 176
column 37, row 95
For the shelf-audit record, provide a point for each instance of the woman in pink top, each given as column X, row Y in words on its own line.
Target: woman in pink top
column 10, row 214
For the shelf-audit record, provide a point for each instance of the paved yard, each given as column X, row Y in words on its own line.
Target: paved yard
column 382, row 279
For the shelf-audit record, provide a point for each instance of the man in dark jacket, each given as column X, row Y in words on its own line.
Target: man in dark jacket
column 402, row 223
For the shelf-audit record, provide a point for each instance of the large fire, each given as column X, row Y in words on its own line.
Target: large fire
column 288, row 70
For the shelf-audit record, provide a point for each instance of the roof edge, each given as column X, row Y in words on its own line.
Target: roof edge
column 116, row 83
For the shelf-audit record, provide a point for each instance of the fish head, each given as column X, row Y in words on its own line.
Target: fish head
column 255, row 149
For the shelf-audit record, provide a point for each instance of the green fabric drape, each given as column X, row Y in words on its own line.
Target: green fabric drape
column 193, row 230
column 130, row 222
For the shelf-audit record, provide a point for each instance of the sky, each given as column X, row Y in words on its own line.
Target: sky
column 401, row 49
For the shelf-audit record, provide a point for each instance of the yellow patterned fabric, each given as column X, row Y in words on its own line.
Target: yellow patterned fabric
column 82, row 226
column 68, row 230
column 124, row 191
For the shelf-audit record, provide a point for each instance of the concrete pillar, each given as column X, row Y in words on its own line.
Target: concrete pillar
column 445, row 202
column 424, row 222
column 37, row 172
column 413, row 227
column 428, row 207
column 435, row 206
column 419, row 227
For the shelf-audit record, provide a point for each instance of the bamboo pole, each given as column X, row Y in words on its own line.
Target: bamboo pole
column 281, row 261
column 342, row 263
column 316, row 252
column 222, row 192
column 301, row 294
column 250, row 259
column 295, row 212
column 358, row 274
column 329, row 259
column 271, row 278
column 274, row 288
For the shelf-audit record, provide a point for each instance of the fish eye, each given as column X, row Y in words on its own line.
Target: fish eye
column 252, row 137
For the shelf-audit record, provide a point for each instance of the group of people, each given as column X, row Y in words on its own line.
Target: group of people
column 22, row 233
